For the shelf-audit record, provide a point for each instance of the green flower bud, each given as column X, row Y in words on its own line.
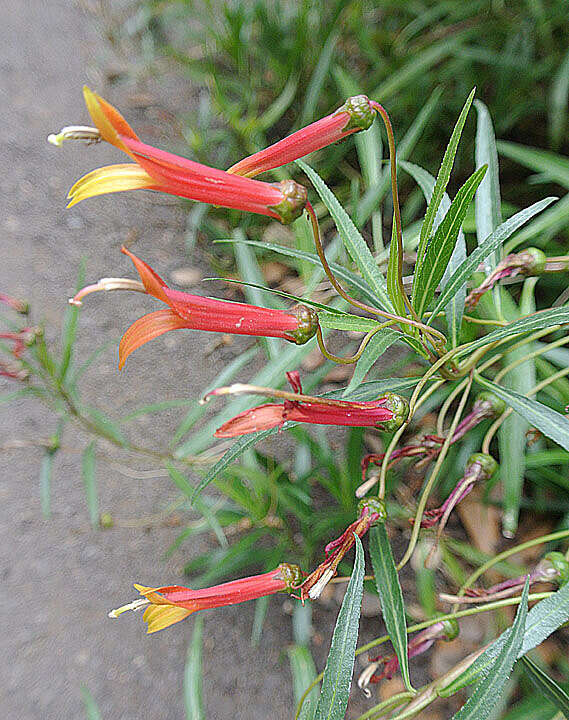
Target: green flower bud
column 451, row 629
column 375, row 506
column 535, row 263
column 484, row 464
column 293, row 202
column 492, row 404
column 291, row 574
column 399, row 406
column 558, row 563
column 360, row 111
column 307, row 325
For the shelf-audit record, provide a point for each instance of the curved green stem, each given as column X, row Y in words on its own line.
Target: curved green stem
column 352, row 358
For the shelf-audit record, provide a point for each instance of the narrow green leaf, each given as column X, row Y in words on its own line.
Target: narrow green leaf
column 193, row 674
column 512, row 435
column 251, row 273
column 559, row 98
column 546, row 686
column 488, row 209
column 490, row 245
column 88, row 466
column 351, row 237
column 542, row 620
column 232, row 454
column 333, row 699
column 261, row 607
column 105, row 425
column 443, row 177
column 92, row 711
column 356, row 323
column 319, row 76
column 390, row 596
column 70, row 328
column 438, row 252
column 280, row 105
column 227, row 374
column 548, row 421
column 553, row 166
column 537, row 321
column 373, row 351
column 393, row 289
column 482, row 701
column 303, row 673
column 339, row 271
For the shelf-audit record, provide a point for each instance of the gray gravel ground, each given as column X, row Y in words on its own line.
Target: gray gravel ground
column 60, row 577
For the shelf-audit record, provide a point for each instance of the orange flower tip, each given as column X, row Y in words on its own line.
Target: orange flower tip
column 293, row 203
column 83, row 133
column 360, row 111
column 316, row 590
column 106, row 284
column 134, row 605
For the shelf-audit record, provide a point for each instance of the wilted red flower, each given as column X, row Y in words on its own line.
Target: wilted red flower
column 389, row 411
column 159, row 170
column 200, row 313
column 167, row 605
column 355, row 114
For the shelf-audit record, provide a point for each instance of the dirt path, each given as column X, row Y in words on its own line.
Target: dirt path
column 60, row 577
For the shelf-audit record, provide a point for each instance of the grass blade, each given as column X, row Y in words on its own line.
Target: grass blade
column 193, row 674
column 546, row 686
column 443, row 178
column 487, row 207
column 351, row 237
column 438, row 252
column 558, row 103
column 88, row 466
column 92, row 711
column 391, row 597
column 548, row 421
column 482, row 701
column 537, row 321
column 490, row 245
column 303, row 673
column 319, row 76
column 333, row 699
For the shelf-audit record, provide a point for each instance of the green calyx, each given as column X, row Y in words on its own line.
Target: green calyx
column 535, row 260
column 450, row 629
column 399, row 406
column 484, row 465
column 490, row 404
column 559, row 565
column 360, row 111
column 374, row 506
column 291, row 574
column 294, row 200
column 307, row 325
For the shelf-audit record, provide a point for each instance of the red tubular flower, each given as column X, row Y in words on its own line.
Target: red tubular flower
column 200, row 313
column 389, row 411
column 167, row 605
column 156, row 169
column 355, row 114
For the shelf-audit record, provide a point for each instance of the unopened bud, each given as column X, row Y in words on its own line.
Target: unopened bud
column 360, row 111
column 451, row 629
column 307, row 325
column 399, row 406
column 534, row 261
column 490, row 404
column 482, row 464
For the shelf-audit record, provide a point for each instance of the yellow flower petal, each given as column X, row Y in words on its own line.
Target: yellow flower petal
column 159, row 617
column 111, row 178
column 108, row 120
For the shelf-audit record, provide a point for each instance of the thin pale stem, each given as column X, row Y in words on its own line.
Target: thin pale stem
column 432, row 478
column 352, row 358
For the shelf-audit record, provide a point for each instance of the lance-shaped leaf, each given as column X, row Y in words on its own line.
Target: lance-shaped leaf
column 490, row 245
column 537, row 321
column 193, row 675
column 482, row 701
column 391, row 597
column 545, row 419
column 430, row 270
column 443, row 177
column 546, row 686
column 337, row 679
